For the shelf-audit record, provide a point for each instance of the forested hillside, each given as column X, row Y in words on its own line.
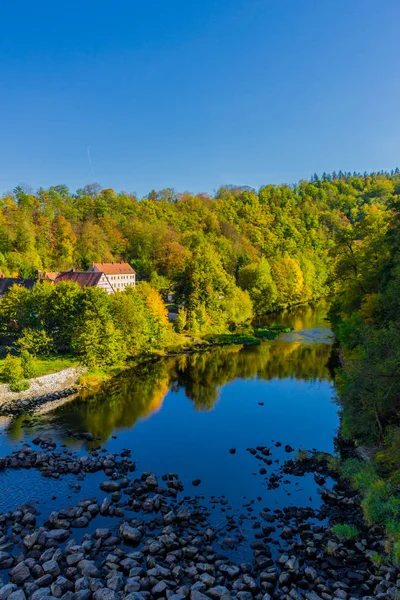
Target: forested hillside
column 366, row 319
column 279, row 244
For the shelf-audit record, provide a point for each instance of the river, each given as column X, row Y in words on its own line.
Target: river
column 184, row 414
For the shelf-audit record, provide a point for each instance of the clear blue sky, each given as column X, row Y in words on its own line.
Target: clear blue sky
column 193, row 94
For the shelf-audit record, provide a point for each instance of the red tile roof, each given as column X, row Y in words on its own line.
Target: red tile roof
column 86, row 279
column 115, row 268
column 51, row 275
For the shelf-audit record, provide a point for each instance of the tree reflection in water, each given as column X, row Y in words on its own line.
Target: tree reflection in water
column 139, row 393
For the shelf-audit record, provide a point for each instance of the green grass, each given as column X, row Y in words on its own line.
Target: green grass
column 381, row 503
column 271, row 332
column 345, row 532
column 44, row 365
column 362, row 474
column 302, row 456
column 248, row 336
column 225, row 339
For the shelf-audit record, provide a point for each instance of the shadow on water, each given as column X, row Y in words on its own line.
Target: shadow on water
column 140, row 392
column 184, row 413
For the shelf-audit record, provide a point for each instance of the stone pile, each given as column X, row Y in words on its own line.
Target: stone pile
column 142, row 541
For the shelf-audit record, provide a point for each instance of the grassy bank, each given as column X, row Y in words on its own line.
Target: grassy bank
column 380, row 498
column 96, row 376
column 45, row 365
column 248, row 336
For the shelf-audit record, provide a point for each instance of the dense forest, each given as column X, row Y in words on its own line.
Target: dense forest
column 366, row 319
column 230, row 258
column 226, row 256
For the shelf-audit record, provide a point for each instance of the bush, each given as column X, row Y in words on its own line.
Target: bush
column 13, row 373
column 362, row 474
column 380, row 506
column 334, row 463
column 12, row 370
column 27, row 364
column 20, row 386
column 345, row 532
column 181, row 320
column 302, row 456
column 36, row 342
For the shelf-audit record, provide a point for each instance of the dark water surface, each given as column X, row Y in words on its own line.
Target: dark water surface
column 183, row 414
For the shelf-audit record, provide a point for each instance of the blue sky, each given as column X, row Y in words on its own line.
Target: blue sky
column 196, row 94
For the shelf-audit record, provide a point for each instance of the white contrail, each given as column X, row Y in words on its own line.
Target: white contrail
column 90, row 162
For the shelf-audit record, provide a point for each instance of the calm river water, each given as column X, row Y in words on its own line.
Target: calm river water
column 183, row 414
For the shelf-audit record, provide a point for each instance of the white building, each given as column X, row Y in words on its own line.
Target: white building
column 119, row 275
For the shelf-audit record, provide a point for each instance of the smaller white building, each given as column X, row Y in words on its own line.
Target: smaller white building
column 119, row 275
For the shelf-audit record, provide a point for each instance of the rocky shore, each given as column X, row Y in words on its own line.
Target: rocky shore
column 41, row 390
column 21, row 407
column 141, row 539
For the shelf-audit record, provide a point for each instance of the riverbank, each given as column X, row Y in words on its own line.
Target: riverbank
column 141, row 538
column 41, row 389
column 65, row 382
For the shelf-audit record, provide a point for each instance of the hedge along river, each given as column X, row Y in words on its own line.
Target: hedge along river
column 188, row 414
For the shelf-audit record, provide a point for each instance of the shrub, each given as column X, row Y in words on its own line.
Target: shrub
column 377, row 559
column 333, row 463
column 181, row 320
column 13, row 373
column 20, row 386
column 27, row 364
column 12, row 370
column 302, row 456
column 362, row 474
column 345, row 532
column 380, row 508
column 36, row 341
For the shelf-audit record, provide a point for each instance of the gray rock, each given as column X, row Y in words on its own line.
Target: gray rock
column 19, row 573
column 220, row 592
column 312, row 596
column 115, row 582
column 110, row 486
column 284, row 578
column 30, row 540
column 310, row 573
column 244, row 596
column 105, row 594
column 40, row 593
column 207, row 579
column 17, row 595
column 82, row 595
column 58, row 535
column 130, row 535
column 230, row 571
column 199, row 586
column 102, row 533
column 250, row 583
column 159, row 589
column 73, row 559
column 60, row 586
column 82, row 584
column 7, row 590
column 87, row 568
column 51, row 567
column 195, row 595
column 6, row 560
column 292, row 564
column 131, row 586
